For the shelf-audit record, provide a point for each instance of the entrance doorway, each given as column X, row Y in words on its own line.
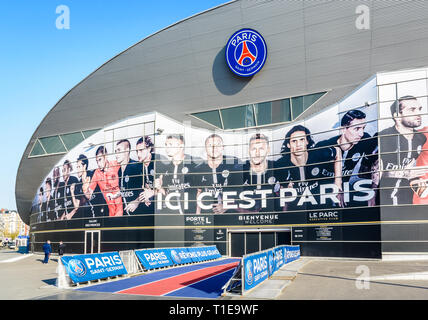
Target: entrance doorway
column 92, row 241
column 242, row 242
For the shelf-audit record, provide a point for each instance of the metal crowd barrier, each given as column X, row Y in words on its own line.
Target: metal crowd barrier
column 77, row 268
column 257, row 267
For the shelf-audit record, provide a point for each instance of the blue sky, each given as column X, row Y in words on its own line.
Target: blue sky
column 39, row 63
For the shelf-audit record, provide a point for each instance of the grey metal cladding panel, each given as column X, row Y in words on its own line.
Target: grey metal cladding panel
column 331, row 11
column 316, row 3
column 82, row 103
column 375, row 5
column 329, row 99
column 281, row 6
column 332, row 30
column 281, row 13
column 338, row 77
column 398, row 13
column 420, row 62
column 395, row 53
column 211, row 41
column 292, row 57
column 284, row 42
column 126, row 88
column 341, row 62
column 408, row 31
column 230, row 17
column 342, row 46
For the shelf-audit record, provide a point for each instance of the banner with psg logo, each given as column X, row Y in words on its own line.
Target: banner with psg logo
column 256, row 269
column 88, row 267
column 260, row 266
column 158, row 258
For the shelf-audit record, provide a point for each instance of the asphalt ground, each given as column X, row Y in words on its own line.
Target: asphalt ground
column 333, row 279
column 25, row 277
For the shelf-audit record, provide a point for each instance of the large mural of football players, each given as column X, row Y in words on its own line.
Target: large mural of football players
column 403, row 139
column 352, row 156
column 174, row 181
column 368, row 150
column 130, row 176
column 146, row 156
column 259, row 179
column 298, row 171
column 217, row 174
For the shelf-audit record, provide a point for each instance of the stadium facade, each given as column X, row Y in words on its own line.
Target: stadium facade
column 166, row 145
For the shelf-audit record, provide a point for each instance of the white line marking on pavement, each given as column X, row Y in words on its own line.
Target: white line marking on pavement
column 16, row 258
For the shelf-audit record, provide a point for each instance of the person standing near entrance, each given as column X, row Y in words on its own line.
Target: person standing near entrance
column 61, row 249
column 47, row 249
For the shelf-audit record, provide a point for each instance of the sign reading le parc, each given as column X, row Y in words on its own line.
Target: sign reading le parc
column 246, row 52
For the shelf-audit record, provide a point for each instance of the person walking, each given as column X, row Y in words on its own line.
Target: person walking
column 61, row 249
column 47, row 249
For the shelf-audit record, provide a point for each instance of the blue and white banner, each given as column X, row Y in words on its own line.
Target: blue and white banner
column 271, row 261
column 291, row 253
column 260, row 266
column 87, row 267
column 157, row 258
column 180, row 256
column 154, row 258
column 256, row 269
column 279, row 257
column 203, row 253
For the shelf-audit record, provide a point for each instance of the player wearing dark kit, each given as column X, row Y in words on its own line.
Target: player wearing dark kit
column 130, row 178
column 146, row 156
column 357, row 152
column 70, row 206
column 298, row 173
column 58, row 194
column 219, row 173
column 259, row 181
column 400, row 146
column 48, row 206
column 85, row 207
column 173, row 181
column 97, row 202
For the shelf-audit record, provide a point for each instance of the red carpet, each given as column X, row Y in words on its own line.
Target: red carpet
column 164, row 286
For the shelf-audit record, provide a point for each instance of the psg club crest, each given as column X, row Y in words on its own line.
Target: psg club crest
column 246, row 52
column 175, row 256
column 249, row 272
column 77, row 267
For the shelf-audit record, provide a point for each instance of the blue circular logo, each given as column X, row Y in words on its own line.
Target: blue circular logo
column 246, row 52
column 271, row 263
column 77, row 267
column 175, row 256
column 249, row 272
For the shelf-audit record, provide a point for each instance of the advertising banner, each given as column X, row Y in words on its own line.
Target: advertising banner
column 271, row 261
column 256, row 269
column 260, row 266
column 82, row 268
column 154, row 258
column 204, row 253
column 157, row 258
column 279, row 260
column 177, row 172
column 180, row 256
column 291, row 253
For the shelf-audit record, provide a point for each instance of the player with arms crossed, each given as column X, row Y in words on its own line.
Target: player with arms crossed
column 400, row 146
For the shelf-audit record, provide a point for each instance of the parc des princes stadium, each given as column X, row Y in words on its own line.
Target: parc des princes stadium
column 248, row 126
